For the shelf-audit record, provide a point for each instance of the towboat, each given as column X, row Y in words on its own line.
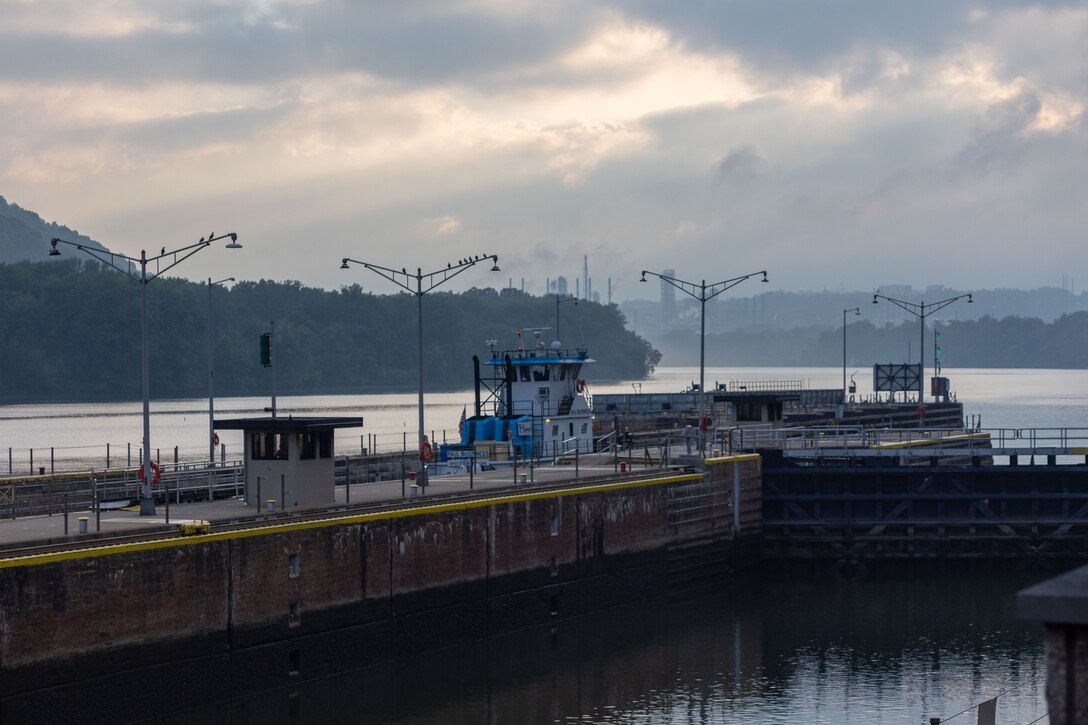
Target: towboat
column 530, row 401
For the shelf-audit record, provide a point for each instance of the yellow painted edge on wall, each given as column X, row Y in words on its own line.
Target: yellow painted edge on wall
column 333, row 520
column 737, row 458
column 932, row 441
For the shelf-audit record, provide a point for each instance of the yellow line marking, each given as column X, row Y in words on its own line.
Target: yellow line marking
column 932, row 441
column 737, row 458
column 333, row 520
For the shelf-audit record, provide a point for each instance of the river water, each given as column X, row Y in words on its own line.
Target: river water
column 76, row 435
column 770, row 650
column 766, row 651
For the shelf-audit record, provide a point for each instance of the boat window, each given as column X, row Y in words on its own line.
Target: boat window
column 324, row 444
column 540, row 373
column 524, row 373
column 563, row 370
column 555, row 431
column 584, row 428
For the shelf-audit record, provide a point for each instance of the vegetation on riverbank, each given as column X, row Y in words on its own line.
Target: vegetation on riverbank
column 70, row 331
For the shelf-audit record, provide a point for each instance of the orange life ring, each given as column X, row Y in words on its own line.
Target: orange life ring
column 705, row 422
column 581, row 385
column 156, row 474
column 425, row 451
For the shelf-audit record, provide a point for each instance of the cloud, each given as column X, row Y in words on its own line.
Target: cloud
column 441, row 226
column 648, row 135
column 741, row 163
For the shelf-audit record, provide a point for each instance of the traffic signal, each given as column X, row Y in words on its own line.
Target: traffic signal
column 266, row 349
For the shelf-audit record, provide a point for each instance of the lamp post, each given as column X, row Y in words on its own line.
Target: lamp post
column 211, row 373
column 702, row 292
column 123, row 264
column 424, row 283
column 856, row 311
column 921, row 310
column 559, row 299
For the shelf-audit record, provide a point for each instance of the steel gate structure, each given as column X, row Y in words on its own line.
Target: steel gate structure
column 845, row 518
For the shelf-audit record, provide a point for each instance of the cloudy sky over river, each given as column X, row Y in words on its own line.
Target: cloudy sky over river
column 837, row 144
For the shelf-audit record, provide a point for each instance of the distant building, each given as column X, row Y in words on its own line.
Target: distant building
column 561, row 285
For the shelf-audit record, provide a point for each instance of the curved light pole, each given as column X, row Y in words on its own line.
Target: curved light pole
column 702, row 292
column 921, row 310
column 424, row 283
column 558, row 299
column 211, row 396
column 123, row 264
column 857, row 312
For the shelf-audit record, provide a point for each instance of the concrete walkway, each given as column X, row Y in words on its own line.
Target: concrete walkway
column 32, row 530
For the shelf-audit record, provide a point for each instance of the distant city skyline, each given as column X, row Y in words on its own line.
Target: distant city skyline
column 838, row 146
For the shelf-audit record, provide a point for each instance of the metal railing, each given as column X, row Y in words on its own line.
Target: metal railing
column 86, row 490
column 1054, row 441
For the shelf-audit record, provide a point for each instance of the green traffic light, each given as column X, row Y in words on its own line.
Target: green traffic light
column 266, row 349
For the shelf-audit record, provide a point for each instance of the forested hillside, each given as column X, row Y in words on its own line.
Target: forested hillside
column 70, row 331
column 1013, row 342
column 25, row 236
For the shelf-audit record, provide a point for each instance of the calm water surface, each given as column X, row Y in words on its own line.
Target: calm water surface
column 773, row 651
column 78, row 433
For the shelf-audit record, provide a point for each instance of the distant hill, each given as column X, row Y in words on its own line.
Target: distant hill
column 24, row 236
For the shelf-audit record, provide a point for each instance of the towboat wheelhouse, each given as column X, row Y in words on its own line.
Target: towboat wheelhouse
column 535, row 399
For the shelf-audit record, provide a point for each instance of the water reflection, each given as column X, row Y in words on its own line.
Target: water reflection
column 772, row 651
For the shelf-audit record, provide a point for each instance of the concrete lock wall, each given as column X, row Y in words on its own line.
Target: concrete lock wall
column 243, row 611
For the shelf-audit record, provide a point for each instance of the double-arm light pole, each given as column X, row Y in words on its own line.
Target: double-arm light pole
column 702, row 292
column 921, row 310
column 211, row 373
column 124, row 265
column 856, row 311
column 424, row 283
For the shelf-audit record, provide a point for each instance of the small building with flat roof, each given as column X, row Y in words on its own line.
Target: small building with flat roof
column 289, row 460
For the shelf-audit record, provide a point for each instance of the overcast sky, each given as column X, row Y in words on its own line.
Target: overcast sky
column 837, row 144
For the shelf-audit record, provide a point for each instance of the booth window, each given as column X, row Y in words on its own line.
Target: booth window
column 307, row 446
column 315, row 445
column 268, row 446
column 324, row 444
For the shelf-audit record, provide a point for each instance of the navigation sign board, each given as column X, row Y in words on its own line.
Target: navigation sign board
column 895, row 377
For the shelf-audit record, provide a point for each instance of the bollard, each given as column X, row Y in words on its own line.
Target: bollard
column 524, row 478
column 271, row 504
column 83, row 524
column 623, row 466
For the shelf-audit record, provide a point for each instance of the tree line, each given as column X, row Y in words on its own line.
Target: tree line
column 1011, row 342
column 70, row 331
